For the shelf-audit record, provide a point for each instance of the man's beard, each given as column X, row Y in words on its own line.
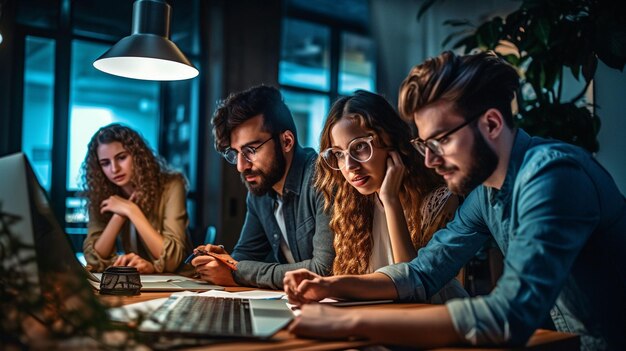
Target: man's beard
column 269, row 178
column 483, row 164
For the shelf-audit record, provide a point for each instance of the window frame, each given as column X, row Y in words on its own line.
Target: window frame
column 63, row 35
column 337, row 28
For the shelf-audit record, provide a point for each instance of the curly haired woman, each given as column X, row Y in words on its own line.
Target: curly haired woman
column 385, row 204
column 131, row 193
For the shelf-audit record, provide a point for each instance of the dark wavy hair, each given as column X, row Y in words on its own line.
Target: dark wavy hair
column 242, row 106
column 351, row 212
column 473, row 83
column 150, row 172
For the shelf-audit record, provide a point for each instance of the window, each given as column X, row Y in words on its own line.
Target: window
column 356, row 68
column 98, row 99
column 305, row 55
column 38, row 93
column 322, row 57
column 68, row 99
column 308, row 110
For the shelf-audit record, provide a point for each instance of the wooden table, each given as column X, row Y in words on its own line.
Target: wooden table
column 540, row 340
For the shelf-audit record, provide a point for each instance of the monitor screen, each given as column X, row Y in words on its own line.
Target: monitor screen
column 38, row 263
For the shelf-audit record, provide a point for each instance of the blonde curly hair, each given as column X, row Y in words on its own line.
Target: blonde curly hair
column 150, row 172
column 351, row 212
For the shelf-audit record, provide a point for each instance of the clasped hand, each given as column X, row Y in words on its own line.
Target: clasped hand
column 118, row 205
column 303, row 286
column 211, row 269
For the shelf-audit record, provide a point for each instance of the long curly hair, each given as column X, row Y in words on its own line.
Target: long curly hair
column 150, row 172
column 351, row 212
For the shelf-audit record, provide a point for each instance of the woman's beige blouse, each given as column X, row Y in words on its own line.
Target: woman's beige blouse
column 171, row 222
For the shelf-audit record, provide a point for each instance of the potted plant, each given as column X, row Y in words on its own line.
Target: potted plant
column 543, row 39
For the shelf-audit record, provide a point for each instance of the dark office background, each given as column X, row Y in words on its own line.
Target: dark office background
column 55, row 99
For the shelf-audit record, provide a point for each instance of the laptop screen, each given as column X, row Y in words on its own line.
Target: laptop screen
column 37, row 259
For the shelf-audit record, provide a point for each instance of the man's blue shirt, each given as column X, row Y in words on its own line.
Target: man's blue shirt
column 261, row 262
column 560, row 221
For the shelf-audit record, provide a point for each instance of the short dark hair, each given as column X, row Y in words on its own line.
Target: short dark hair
column 473, row 83
column 242, row 106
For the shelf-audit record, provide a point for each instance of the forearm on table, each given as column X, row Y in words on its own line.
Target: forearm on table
column 374, row 286
column 426, row 327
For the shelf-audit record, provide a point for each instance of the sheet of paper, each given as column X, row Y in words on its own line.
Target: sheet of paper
column 296, row 310
column 159, row 278
column 251, row 294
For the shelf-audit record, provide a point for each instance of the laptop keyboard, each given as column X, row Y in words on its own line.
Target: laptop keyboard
column 205, row 316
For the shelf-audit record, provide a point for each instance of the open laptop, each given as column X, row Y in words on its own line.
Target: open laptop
column 217, row 317
column 49, row 258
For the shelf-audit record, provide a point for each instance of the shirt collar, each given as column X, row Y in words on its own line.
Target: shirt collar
column 518, row 151
column 293, row 181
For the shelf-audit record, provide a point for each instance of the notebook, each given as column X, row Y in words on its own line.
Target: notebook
column 217, row 317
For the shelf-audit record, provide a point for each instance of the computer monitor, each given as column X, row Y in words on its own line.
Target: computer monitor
column 37, row 258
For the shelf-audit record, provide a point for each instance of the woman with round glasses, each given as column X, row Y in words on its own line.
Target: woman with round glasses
column 385, row 203
column 131, row 194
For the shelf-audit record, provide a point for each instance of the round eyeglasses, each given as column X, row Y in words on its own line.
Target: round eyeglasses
column 435, row 144
column 248, row 152
column 359, row 149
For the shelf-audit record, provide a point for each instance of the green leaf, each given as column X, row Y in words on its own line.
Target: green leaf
column 452, row 36
column 457, row 23
column 589, row 67
column 468, row 42
column 551, row 72
column 488, row 35
column 541, row 30
column 512, row 59
column 425, row 6
column 575, row 72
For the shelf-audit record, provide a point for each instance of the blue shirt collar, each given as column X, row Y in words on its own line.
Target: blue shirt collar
column 518, row 151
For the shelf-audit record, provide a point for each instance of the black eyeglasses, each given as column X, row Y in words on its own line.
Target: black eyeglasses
column 434, row 144
column 248, row 152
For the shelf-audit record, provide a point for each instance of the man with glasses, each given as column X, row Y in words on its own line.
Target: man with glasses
column 285, row 226
column 555, row 213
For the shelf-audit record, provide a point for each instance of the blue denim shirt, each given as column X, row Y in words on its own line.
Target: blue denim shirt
column 560, row 222
column 261, row 262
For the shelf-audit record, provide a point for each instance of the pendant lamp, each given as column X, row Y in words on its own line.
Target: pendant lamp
column 147, row 53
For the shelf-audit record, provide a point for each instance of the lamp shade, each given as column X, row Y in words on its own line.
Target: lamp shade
column 147, row 53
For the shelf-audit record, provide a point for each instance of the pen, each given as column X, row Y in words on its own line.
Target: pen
column 193, row 255
column 198, row 252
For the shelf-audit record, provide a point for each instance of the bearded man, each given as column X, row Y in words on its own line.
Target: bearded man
column 286, row 227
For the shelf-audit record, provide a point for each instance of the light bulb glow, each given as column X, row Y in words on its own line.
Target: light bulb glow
column 145, row 68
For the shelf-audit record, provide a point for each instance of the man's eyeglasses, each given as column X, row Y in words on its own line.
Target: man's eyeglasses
column 434, row 144
column 248, row 152
column 359, row 149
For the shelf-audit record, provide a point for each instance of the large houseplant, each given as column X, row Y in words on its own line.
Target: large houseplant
column 543, row 39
